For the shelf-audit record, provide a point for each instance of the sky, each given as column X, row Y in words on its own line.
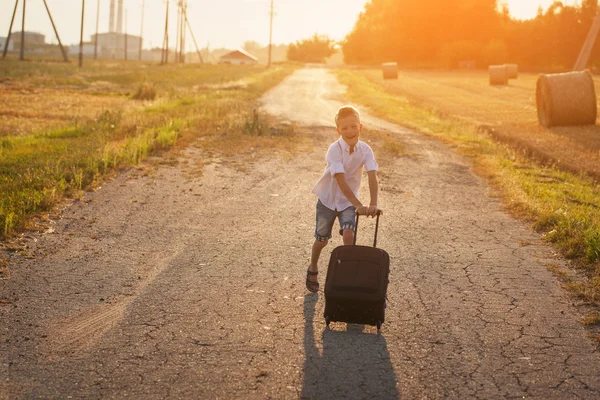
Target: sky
column 215, row 23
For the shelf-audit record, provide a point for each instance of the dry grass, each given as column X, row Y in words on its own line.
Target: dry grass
column 25, row 108
column 145, row 91
column 4, row 273
column 388, row 143
column 592, row 319
column 508, row 113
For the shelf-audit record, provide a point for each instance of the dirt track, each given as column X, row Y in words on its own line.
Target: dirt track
column 170, row 284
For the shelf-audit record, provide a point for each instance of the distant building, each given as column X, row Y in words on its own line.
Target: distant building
column 3, row 43
column 32, row 39
column 154, row 54
column 114, row 45
column 238, row 57
column 88, row 49
column 34, row 42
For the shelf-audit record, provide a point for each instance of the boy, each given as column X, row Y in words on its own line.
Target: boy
column 338, row 187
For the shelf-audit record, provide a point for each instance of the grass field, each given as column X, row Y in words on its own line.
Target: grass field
column 546, row 176
column 508, row 113
column 63, row 129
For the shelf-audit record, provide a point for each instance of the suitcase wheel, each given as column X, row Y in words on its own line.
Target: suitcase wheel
column 378, row 325
column 327, row 320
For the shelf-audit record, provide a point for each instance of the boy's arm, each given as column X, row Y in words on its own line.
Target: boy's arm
column 374, row 191
column 341, row 181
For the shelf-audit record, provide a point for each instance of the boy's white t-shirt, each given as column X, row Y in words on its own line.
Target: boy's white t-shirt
column 339, row 160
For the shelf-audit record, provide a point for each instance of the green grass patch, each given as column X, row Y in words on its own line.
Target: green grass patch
column 592, row 319
column 39, row 169
column 563, row 207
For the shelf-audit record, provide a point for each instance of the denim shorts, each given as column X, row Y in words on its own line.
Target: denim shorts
column 326, row 218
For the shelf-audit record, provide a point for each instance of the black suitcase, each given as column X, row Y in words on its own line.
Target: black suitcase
column 356, row 283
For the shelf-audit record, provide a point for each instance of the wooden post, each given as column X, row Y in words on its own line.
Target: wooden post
column 183, row 30
column 165, row 52
column 81, row 35
column 62, row 49
column 142, row 29
column 22, row 56
column 193, row 38
column 10, row 29
column 270, row 35
column 586, row 50
column 178, row 30
column 96, row 40
column 125, row 55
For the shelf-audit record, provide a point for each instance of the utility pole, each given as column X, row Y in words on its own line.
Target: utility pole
column 193, row 38
column 96, row 40
column 81, row 35
column 181, row 34
column 62, row 49
column 178, row 30
column 270, row 35
column 125, row 55
column 183, row 30
column 165, row 52
column 10, row 30
column 22, row 56
column 586, row 50
column 142, row 29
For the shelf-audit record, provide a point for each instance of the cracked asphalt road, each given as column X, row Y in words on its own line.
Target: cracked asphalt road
column 166, row 283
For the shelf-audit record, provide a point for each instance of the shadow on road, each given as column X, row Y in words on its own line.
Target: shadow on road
column 352, row 364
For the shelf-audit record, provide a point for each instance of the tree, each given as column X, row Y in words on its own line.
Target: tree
column 313, row 50
column 445, row 32
column 418, row 31
column 251, row 46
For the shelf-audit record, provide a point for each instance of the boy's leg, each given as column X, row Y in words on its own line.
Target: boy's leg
column 348, row 236
column 324, row 222
column 317, row 247
column 347, row 220
column 312, row 281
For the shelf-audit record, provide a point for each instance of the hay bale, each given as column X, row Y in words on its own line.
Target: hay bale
column 566, row 99
column 390, row 70
column 498, row 75
column 467, row 64
column 512, row 70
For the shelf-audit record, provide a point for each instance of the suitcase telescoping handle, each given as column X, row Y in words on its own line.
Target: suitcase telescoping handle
column 376, row 229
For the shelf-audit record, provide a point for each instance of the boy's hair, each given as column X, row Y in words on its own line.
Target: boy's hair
column 344, row 111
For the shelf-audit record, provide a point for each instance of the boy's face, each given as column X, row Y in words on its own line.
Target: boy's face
column 349, row 128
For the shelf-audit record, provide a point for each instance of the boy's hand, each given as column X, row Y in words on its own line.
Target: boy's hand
column 362, row 210
column 370, row 211
column 373, row 210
